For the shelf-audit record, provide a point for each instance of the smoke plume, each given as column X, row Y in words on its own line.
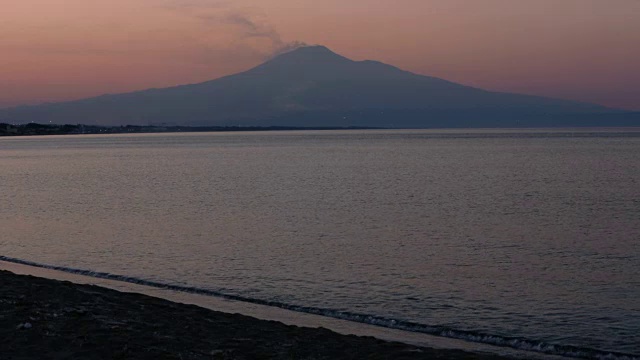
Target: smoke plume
column 250, row 29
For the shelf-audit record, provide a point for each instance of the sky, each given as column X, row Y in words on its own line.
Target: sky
column 585, row 50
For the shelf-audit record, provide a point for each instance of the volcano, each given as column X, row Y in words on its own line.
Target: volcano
column 313, row 87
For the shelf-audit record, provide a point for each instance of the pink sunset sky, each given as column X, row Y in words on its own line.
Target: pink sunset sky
column 587, row 50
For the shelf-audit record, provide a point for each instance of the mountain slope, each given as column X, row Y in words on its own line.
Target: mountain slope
column 312, row 86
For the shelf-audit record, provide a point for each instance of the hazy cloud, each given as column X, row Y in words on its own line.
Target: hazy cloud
column 195, row 4
column 252, row 34
column 257, row 28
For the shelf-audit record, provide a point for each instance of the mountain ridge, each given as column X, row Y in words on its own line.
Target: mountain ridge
column 313, row 86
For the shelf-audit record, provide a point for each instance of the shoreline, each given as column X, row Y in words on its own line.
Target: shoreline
column 45, row 318
column 271, row 313
column 35, row 129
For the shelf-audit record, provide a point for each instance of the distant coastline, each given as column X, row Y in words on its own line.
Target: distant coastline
column 32, row 129
column 37, row 129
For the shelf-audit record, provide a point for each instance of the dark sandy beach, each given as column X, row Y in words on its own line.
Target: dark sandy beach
column 50, row 319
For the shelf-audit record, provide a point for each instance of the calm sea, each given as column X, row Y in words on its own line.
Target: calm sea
column 527, row 239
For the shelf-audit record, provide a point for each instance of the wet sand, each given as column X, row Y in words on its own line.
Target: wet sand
column 50, row 319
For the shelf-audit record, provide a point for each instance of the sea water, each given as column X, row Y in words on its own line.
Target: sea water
column 521, row 238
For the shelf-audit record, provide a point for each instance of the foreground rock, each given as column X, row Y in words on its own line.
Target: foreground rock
column 49, row 319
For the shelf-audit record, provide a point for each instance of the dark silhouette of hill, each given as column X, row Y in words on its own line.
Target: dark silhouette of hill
column 313, row 86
